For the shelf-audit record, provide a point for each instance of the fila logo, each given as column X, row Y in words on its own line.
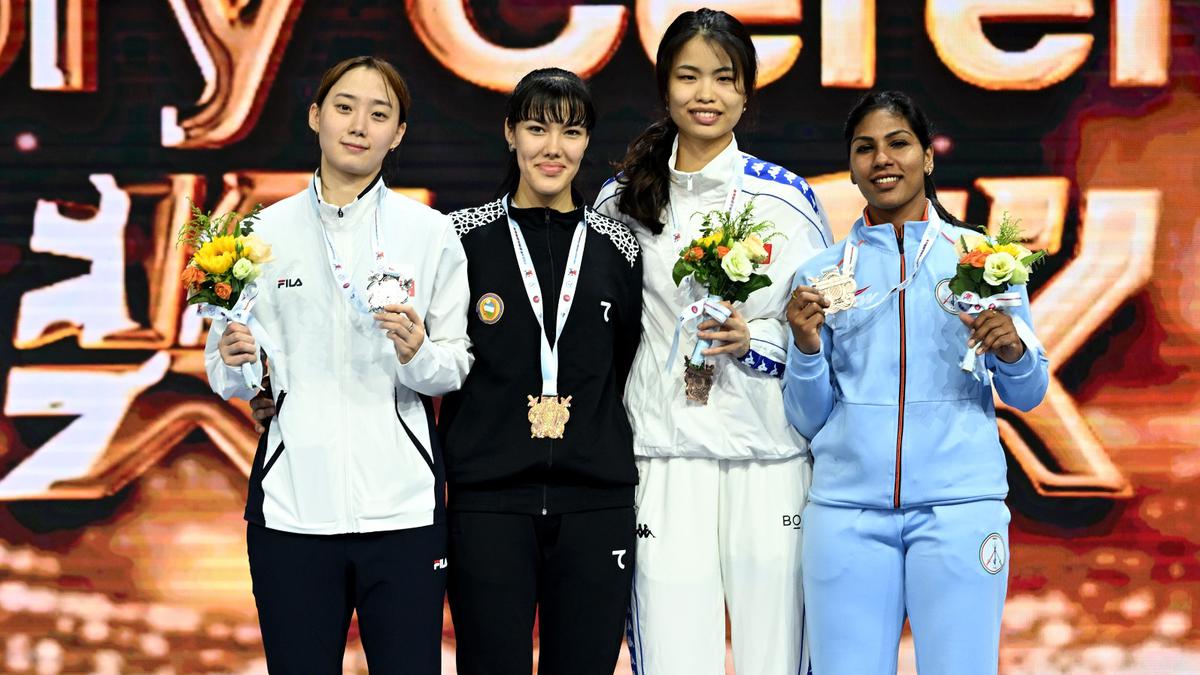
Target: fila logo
column 643, row 531
column 289, row 283
column 440, row 564
column 792, row 521
column 620, row 554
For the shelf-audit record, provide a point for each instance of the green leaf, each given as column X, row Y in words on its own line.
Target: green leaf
column 681, row 269
column 960, row 285
column 1032, row 258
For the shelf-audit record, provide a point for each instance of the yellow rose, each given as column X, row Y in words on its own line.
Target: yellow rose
column 216, row 256
column 973, row 242
column 257, row 250
column 754, row 244
column 712, row 239
column 1011, row 249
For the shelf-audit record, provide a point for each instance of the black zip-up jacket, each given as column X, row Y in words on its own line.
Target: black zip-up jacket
column 492, row 463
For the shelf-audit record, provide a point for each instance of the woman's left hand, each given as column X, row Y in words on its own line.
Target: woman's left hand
column 993, row 331
column 734, row 334
column 404, row 328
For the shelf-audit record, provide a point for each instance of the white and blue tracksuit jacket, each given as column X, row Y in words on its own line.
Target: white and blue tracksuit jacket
column 893, row 420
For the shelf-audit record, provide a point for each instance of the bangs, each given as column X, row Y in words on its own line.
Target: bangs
column 555, row 101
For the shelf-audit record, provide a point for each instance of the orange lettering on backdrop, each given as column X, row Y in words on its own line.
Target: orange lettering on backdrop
column 776, row 53
column 63, row 47
column 238, row 51
column 1141, row 43
column 848, row 43
column 587, row 41
column 12, row 31
column 956, row 30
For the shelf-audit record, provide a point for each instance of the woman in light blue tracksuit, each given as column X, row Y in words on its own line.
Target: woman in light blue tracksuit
column 906, row 514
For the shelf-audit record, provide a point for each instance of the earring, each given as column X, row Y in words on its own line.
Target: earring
column 511, row 147
column 929, row 171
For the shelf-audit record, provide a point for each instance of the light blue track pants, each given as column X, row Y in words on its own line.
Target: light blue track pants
column 944, row 567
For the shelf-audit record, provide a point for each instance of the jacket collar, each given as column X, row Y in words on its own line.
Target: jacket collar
column 342, row 218
column 537, row 218
column 884, row 236
column 716, row 176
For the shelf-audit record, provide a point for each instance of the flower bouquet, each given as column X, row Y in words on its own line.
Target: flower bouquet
column 220, row 278
column 987, row 267
column 724, row 260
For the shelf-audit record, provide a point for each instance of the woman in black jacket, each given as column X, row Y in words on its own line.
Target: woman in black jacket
column 539, row 452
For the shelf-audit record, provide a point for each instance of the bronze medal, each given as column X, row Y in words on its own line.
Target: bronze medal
column 548, row 416
column 697, row 381
column 838, row 288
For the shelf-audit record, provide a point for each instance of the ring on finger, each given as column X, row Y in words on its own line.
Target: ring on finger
column 411, row 325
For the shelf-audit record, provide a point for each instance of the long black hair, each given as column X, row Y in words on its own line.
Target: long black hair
column 644, row 174
column 900, row 103
column 549, row 96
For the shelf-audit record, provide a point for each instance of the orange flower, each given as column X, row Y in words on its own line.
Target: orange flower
column 694, row 253
column 223, row 290
column 974, row 259
column 721, row 251
column 192, row 276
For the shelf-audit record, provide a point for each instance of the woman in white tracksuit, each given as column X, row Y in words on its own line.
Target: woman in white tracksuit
column 721, row 486
column 346, row 506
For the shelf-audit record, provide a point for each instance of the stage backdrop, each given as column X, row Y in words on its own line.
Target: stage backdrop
column 122, row 479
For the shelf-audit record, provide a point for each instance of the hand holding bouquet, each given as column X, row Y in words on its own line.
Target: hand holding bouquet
column 226, row 261
column 724, row 260
column 987, row 267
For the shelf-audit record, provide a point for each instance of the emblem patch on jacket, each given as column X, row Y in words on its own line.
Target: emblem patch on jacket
column 489, row 308
column 944, row 297
column 992, row 553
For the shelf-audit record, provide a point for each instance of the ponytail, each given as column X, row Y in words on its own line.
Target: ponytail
column 946, row 216
column 645, row 177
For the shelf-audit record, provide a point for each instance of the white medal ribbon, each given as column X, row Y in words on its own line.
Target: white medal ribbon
column 710, row 307
column 240, row 313
column 730, row 199
column 932, row 231
column 340, row 273
column 972, row 304
column 566, row 296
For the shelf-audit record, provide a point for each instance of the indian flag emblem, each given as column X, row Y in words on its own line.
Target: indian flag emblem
column 489, row 308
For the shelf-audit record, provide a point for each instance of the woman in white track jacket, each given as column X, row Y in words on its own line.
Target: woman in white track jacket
column 345, row 504
column 722, row 485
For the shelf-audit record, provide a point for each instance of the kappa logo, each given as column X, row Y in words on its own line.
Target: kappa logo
column 643, row 531
column 992, row 553
column 441, row 564
column 289, row 283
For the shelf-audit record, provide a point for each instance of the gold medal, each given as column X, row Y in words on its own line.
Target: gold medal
column 548, row 416
column 838, row 288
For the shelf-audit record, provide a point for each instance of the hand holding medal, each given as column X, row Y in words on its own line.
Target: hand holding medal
column 404, row 328
column 806, row 312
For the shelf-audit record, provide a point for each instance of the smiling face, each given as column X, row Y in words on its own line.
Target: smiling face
column 888, row 165
column 357, row 124
column 548, row 157
column 704, row 98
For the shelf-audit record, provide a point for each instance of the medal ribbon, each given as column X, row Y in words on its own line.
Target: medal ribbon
column 710, row 307
column 566, row 296
column 730, row 199
column 972, row 304
column 240, row 313
column 928, row 239
column 340, row 273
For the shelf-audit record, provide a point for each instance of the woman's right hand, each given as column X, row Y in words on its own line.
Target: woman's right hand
column 237, row 346
column 806, row 315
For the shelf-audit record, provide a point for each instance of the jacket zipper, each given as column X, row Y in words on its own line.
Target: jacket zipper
column 903, row 368
column 554, row 286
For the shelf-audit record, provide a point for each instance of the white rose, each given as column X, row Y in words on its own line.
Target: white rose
column 999, row 268
column 243, row 268
column 737, row 263
column 754, row 245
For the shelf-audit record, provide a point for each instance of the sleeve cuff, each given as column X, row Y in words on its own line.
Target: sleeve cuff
column 806, row 366
column 1019, row 368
